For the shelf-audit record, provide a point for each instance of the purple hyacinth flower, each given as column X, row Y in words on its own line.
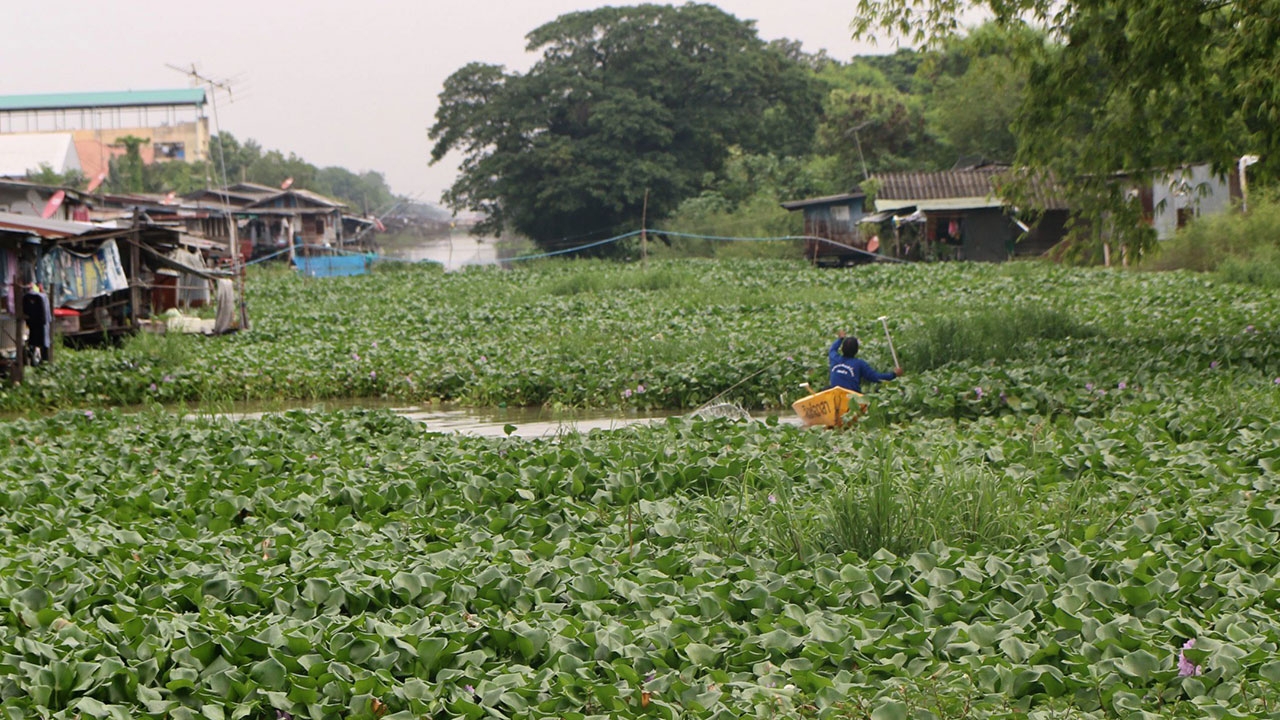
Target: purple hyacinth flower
column 1186, row 668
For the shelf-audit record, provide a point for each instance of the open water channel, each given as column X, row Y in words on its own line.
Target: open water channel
column 484, row 422
column 455, row 252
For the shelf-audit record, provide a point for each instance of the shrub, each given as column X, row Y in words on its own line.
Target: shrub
column 1241, row 248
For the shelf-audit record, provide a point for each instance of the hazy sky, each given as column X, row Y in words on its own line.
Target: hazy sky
column 339, row 83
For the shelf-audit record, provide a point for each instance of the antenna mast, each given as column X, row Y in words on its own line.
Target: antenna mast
column 214, row 86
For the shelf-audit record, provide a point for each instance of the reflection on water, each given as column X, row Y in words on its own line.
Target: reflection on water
column 483, row 422
column 455, row 252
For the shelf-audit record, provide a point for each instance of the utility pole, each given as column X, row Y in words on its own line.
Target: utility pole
column 237, row 268
column 644, row 236
column 858, row 141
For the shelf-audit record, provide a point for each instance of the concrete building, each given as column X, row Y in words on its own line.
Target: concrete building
column 172, row 121
column 1175, row 198
column 21, row 154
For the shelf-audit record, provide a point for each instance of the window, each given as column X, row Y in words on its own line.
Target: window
column 840, row 213
column 171, row 151
column 320, row 227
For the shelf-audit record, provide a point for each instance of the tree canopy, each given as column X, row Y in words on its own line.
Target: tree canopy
column 1126, row 85
column 367, row 191
column 624, row 102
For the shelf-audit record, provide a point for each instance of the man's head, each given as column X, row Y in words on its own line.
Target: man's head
column 849, row 348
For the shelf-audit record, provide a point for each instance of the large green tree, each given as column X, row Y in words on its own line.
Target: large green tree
column 624, row 101
column 976, row 84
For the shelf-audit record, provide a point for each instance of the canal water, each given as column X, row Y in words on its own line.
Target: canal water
column 483, row 422
column 455, row 252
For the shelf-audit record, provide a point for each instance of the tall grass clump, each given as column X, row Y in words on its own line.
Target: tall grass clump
column 893, row 509
column 663, row 278
column 1238, row 247
column 160, row 349
column 577, row 284
column 987, row 334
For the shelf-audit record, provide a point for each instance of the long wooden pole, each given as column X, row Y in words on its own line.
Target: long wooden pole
column 135, row 279
column 19, row 361
column 644, row 235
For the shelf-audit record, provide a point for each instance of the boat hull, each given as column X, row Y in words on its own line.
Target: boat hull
column 829, row 407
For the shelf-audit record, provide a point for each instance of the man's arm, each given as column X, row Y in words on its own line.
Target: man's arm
column 870, row 373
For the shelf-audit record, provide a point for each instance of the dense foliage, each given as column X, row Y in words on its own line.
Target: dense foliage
column 575, row 142
column 1243, row 247
column 1128, row 86
column 355, row 566
column 362, row 192
column 628, row 107
column 591, row 334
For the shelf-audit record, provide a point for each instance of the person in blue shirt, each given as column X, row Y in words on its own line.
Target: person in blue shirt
column 848, row 370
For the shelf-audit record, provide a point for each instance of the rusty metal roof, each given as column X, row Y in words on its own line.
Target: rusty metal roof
column 981, row 183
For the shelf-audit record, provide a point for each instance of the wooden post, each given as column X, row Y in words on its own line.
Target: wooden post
column 51, row 293
column 135, row 277
column 644, row 240
column 19, row 360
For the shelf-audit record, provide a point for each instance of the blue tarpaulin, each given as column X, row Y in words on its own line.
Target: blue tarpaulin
column 334, row 265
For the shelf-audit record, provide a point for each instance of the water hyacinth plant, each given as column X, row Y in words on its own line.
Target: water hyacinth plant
column 1092, row 535
column 757, row 329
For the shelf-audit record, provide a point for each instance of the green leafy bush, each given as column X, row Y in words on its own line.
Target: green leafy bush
column 1240, row 247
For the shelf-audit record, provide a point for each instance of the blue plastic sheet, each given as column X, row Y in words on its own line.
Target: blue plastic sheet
column 334, row 265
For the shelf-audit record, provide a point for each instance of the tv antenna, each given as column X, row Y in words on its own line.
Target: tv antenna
column 197, row 78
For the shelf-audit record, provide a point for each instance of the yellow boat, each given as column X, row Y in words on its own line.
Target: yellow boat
column 829, row 407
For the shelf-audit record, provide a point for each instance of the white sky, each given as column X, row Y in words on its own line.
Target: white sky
column 339, row 83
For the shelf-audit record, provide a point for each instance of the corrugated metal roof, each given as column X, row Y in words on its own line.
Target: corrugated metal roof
column 25, row 152
column 828, row 200
column 956, row 189
column 317, row 198
column 972, row 183
column 252, row 187
column 971, row 203
column 126, row 98
column 257, row 197
column 34, row 225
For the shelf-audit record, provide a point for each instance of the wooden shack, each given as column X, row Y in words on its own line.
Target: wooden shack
column 831, row 228
column 967, row 217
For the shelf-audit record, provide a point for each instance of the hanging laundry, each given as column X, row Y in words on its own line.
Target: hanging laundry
column 193, row 290
column 81, row 278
